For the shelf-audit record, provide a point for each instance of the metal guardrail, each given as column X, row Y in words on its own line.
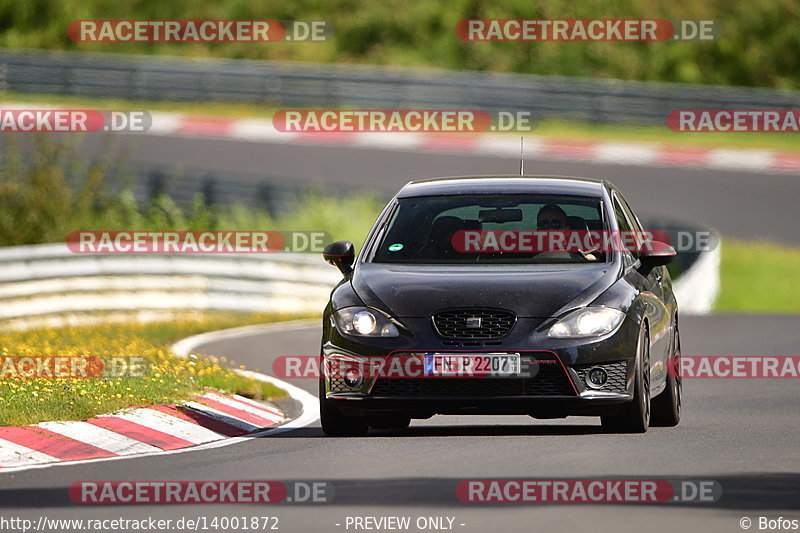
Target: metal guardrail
column 40, row 283
column 304, row 85
column 47, row 280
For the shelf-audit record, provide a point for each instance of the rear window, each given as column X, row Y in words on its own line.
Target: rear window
column 473, row 229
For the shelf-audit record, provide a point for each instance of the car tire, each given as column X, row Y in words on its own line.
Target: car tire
column 634, row 416
column 336, row 424
column 390, row 422
column 666, row 410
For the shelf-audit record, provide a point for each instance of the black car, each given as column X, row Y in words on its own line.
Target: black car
column 490, row 329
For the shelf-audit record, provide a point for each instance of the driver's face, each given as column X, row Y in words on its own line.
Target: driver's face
column 551, row 220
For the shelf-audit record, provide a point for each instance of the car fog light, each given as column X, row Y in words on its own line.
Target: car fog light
column 597, row 377
column 353, row 379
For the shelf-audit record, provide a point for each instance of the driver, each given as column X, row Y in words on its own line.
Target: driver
column 552, row 217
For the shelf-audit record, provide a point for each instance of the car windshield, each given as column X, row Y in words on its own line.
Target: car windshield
column 472, row 229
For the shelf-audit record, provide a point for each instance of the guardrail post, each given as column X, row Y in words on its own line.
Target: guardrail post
column 208, row 190
column 3, row 74
column 156, row 184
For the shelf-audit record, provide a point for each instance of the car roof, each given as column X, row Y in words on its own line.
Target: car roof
column 504, row 184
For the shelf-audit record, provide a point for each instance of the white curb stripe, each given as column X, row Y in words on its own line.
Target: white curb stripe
column 260, row 130
column 507, row 146
column 309, row 402
column 171, row 425
column 740, row 159
column 389, row 140
column 165, row 123
column 12, row 455
column 244, row 406
column 258, row 405
column 630, row 153
column 99, row 437
column 222, row 417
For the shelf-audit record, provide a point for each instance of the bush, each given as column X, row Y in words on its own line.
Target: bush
column 39, row 204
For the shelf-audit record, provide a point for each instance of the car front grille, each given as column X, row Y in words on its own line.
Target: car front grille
column 617, row 376
column 473, row 323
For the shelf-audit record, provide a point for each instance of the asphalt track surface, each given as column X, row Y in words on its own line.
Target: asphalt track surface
column 740, row 433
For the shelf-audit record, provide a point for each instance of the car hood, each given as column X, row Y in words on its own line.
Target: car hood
column 538, row 291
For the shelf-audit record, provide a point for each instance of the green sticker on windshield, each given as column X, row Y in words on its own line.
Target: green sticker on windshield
column 395, row 247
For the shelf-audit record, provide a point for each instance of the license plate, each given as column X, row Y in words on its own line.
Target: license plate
column 472, row 364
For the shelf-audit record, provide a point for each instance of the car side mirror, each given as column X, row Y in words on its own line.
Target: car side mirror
column 340, row 254
column 654, row 254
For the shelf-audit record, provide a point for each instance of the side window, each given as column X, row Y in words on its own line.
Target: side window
column 634, row 220
column 629, row 256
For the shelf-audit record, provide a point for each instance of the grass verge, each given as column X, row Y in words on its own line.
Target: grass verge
column 169, row 378
column 759, row 277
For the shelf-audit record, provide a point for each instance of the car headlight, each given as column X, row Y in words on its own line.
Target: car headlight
column 587, row 322
column 364, row 322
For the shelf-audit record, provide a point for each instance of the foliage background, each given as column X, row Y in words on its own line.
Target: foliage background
column 759, row 45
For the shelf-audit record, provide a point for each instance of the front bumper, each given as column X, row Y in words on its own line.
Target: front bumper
column 426, row 407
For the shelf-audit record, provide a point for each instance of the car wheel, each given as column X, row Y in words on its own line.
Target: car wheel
column 336, row 424
column 390, row 422
column 667, row 405
column 634, row 416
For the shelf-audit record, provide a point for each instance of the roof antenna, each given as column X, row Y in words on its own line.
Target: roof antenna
column 521, row 158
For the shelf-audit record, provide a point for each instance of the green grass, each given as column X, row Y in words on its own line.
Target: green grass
column 169, row 379
column 759, row 277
